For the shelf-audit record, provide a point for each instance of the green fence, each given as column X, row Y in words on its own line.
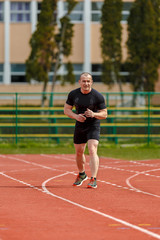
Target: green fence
column 23, row 117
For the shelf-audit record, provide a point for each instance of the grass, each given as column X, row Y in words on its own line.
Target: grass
column 129, row 152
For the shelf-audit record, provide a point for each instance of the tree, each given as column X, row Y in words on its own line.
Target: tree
column 111, row 41
column 64, row 43
column 143, row 44
column 48, row 43
column 156, row 6
column 42, row 45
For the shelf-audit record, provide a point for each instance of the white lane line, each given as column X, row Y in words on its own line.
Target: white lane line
column 45, row 190
column 58, row 157
column 157, row 236
column 28, row 162
column 144, row 164
column 22, row 170
column 105, row 166
column 109, row 183
column 137, row 189
column 28, row 184
column 131, row 171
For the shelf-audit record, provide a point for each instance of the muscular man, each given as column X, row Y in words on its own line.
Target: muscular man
column 90, row 108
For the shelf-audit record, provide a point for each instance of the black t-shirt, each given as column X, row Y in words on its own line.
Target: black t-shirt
column 93, row 100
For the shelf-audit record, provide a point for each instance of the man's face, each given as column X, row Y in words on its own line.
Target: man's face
column 86, row 83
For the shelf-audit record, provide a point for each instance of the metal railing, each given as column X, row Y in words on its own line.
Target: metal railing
column 22, row 117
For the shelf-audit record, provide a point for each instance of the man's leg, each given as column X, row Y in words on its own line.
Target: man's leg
column 94, row 159
column 94, row 162
column 80, row 158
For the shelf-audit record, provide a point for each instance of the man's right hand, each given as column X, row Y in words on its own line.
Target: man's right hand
column 81, row 118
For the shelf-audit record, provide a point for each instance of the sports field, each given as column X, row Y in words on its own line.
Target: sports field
column 38, row 201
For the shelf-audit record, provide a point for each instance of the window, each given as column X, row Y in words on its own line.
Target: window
column 1, row 68
column 96, row 11
column 77, row 69
column 126, row 11
column 18, row 68
column 39, row 7
column 20, row 11
column 18, row 79
column 1, row 72
column 97, row 6
column 18, row 73
column 97, row 72
column 77, row 13
column 1, row 12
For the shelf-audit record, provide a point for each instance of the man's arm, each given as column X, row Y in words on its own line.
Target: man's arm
column 101, row 114
column 68, row 111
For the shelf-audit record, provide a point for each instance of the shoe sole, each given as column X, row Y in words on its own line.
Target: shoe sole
column 89, row 186
column 75, row 185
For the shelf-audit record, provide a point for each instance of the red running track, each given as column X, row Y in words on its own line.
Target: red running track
column 38, row 201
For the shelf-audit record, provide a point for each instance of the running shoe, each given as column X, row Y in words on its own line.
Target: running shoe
column 92, row 183
column 79, row 180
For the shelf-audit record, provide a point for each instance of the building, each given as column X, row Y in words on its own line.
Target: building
column 18, row 21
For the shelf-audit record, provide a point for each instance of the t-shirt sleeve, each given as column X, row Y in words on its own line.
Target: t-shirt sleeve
column 101, row 102
column 69, row 100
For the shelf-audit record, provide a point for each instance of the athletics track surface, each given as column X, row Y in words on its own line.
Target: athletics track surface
column 38, row 201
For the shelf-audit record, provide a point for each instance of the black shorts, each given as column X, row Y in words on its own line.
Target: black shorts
column 82, row 135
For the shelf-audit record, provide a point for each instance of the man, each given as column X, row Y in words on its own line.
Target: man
column 90, row 108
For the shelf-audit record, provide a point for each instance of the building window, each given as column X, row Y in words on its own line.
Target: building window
column 77, row 13
column 39, row 7
column 97, row 7
column 1, row 73
column 18, row 73
column 96, row 11
column 1, row 11
column 18, row 68
column 20, row 11
column 97, row 72
column 77, row 70
column 126, row 11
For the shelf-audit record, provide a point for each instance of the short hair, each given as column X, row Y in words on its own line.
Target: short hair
column 85, row 74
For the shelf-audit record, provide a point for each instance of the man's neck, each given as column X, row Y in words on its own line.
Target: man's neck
column 85, row 92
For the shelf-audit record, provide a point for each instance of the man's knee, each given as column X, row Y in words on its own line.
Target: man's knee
column 92, row 147
column 80, row 148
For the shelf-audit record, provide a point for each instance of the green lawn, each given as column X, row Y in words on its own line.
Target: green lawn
column 130, row 152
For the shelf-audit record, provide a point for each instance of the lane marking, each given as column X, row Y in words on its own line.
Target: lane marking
column 137, row 189
column 59, row 157
column 105, row 166
column 30, row 185
column 32, row 163
column 157, row 236
column 109, row 183
column 45, row 190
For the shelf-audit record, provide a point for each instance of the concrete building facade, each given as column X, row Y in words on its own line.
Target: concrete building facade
column 18, row 21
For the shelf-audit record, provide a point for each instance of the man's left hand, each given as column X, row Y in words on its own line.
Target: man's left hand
column 89, row 113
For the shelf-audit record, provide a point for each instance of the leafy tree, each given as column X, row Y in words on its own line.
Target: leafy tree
column 69, row 77
column 42, row 45
column 143, row 44
column 48, row 43
column 64, row 43
column 156, row 6
column 111, row 41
